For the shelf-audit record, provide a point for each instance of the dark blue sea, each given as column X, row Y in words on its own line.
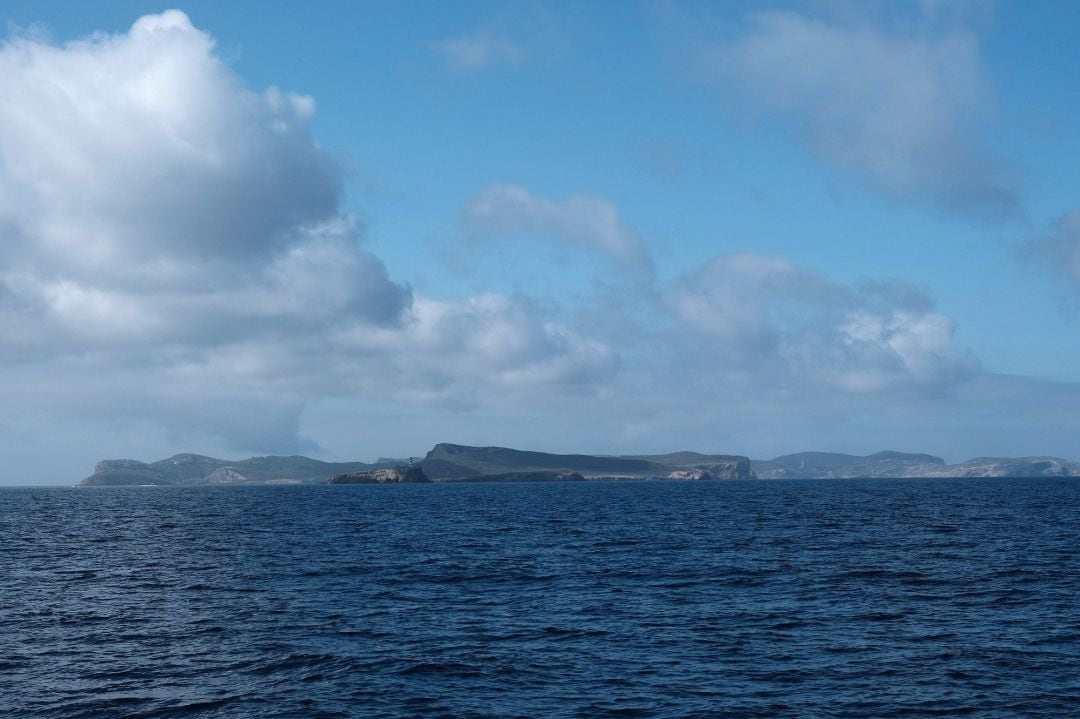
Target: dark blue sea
column 878, row 598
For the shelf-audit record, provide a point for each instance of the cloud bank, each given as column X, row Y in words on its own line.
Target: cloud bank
column 755, row 312
column 175, row 262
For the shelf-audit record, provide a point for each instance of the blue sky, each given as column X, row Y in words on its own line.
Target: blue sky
column 356, row 229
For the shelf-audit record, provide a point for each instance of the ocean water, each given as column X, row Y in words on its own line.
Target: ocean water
column 906, row 598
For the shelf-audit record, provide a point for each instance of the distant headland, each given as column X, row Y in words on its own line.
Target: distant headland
column 461, row 463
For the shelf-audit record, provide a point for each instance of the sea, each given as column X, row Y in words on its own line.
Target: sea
column 807, row 598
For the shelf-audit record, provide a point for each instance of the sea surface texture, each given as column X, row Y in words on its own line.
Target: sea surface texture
column 906, row 598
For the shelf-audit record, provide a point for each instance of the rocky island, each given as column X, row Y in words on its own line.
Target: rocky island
column 463, row 463
column 389, row 475
column 457, row 462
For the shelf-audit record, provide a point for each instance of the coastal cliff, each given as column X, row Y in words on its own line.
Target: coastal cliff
column 390, row 475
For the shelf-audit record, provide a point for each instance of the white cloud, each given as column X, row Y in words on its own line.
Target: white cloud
column 905, row 111
column 131, row 156
column 479, row 50
column 779, row 324
column 495, row 344
column 173, row 248
column 147, row 196
column 580, row 220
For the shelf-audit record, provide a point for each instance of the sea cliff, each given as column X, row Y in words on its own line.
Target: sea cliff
column 390, row 475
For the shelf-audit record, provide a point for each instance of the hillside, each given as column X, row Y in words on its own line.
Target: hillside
column 191, row 469
column 455, row 462
column 828, row 465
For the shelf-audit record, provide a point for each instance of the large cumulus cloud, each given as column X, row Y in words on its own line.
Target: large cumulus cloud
column 132, row 155
column 147, row 195
column 173, row 251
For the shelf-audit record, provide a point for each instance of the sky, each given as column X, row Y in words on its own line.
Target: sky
column 353, row 230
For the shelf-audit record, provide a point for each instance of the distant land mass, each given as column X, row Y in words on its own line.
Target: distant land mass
column 828, row 465
column 188, row 469
column 456, row 462
column 444, row 463
column 461, row 463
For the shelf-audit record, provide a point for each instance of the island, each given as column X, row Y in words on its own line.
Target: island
column 388, row 475
column 830, row 465
column 464, row 463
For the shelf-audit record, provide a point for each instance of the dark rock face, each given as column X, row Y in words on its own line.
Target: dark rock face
column 738, row 468
column 390, row 475
column 905, row 457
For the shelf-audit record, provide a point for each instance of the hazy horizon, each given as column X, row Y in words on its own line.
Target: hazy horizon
column 356, row 231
